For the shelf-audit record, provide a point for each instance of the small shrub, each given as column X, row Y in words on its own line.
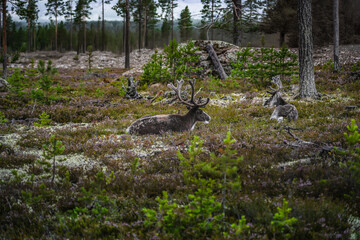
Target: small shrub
column 90, row 56
column 282, row 224
column 2, row 118
column 177, row 62
column 16, row 81
column 44, row 120
column 50, row 151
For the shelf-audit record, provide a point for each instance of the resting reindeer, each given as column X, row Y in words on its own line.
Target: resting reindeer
column 174, row 122
column 283, row 109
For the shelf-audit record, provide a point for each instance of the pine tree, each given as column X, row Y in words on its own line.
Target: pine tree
column 4, row 46
column 336, row 36
column 185, row 24
column 82, row 12
column 69, row 16
column 28, row 11
column 167, row 7
column 55, row 8
column 280, row 17
column 103, row 2
column 237, row 12
column 208, row 14
column 127, row 35
column 251, row 12
column 150, row 19
column 306, row 62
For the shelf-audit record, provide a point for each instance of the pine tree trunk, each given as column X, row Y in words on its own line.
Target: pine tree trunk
column 172, row 20
column 103, row 29
column 336, row 36
column 4, row 39
column 140, row 21
column 212, row 20
column 71, row 34
column 127, row 42
column 306, row 63
column 124, row 34
column 145, row 40
column 84, row 46
column 56, row 31
column 282, row 38
column 237, row 22
column 29, row 36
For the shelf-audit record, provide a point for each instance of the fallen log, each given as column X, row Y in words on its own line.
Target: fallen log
column 215, row 60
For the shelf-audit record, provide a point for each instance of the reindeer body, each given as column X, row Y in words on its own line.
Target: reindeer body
column 160, row 124
column 283, row 109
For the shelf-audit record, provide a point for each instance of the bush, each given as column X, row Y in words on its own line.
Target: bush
column 177, row 62
column 258, row 65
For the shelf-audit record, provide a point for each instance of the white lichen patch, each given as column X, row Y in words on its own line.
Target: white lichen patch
column 291, row 163
column 78, row 161
column 10, row 139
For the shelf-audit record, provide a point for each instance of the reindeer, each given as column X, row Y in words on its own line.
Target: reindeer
column 159, row 124
column 283, row 109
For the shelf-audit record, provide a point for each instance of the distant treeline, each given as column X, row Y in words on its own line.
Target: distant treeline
column 278, row 17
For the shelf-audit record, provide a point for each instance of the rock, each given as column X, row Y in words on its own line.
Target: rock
column 4, row 85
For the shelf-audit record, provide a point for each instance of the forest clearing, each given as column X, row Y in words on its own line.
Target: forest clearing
column 140, row 120
column 69, row 170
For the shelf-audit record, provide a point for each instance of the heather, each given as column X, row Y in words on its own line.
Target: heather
column 69, row 170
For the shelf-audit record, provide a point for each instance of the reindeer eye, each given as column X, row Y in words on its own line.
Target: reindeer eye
column 199, row 111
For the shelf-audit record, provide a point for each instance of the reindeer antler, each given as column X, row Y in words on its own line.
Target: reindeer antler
column 191, row 102
column 277, row 81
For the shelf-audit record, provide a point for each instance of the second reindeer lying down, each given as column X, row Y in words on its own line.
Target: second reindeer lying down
column 283, row 109
column 159, row 124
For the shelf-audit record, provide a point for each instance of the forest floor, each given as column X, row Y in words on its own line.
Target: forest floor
column 108, row 184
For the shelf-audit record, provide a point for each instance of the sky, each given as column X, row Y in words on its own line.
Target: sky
column 195, row 7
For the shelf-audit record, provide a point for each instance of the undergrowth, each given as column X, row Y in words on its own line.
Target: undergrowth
column 240, row 177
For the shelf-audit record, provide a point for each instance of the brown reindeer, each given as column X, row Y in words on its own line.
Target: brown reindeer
column 283, row 109
column 159, row 124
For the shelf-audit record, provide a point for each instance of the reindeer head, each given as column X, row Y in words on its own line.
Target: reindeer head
column 275, row 99
column 192, row 104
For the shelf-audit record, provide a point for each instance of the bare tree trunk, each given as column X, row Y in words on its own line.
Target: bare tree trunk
column 145, row 40
column 140, row 21
column 237, row 22
column 212, row 20
column 71, row 34
column 4, row 39
column 1, row 25
column 124, row 34
column 84, row 46
column 282, row 38
column 172, row 20
column 29, row 35
column 127, row 42
column 306, row 62
column 34, row 37
column 56, row 31
column 336, row 36
column 103, row 29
